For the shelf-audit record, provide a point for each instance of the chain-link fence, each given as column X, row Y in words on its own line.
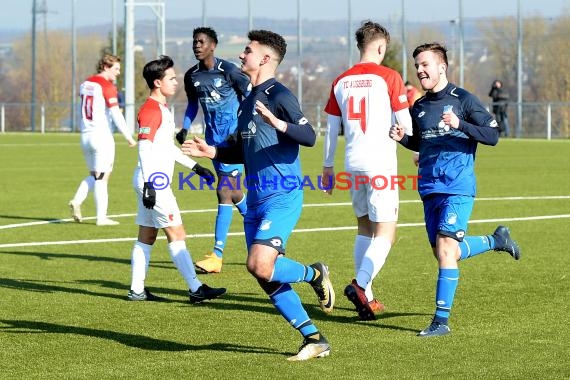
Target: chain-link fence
column 539, row 120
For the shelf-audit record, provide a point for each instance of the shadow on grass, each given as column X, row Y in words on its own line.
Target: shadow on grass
column 42, row 287
column 131, row 340
column 39, row 218
column 90, row 258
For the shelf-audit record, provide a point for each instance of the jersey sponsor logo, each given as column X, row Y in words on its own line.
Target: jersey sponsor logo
column 144, row 130
column 251, row 131
column 215, row 96
column 403, row 98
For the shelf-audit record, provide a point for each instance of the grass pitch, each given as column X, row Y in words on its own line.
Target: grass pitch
column 63, row 286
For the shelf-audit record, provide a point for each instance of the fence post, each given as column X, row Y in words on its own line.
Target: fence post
column 43, row 118
column 548, row 121
column 318, row 119
column 2, row 119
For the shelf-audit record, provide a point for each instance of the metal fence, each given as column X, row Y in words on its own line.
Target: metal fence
column 539, row 120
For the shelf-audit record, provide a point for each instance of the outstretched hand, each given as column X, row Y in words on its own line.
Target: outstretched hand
column 197, row 147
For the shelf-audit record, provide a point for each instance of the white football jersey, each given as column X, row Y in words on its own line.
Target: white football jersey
column 366, row 97
column 98, row 95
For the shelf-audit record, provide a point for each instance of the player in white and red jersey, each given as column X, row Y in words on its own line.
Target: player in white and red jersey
column 157, row 207
column 364, row 100
column 99, row 106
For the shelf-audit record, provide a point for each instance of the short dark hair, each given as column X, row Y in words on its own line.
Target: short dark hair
column 156, row 69
column 370, row 31
column 435, row 47
column 268, row 38
column 211, row 33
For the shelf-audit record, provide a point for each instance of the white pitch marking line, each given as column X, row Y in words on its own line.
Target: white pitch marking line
column 346, row 228
column 56, row 221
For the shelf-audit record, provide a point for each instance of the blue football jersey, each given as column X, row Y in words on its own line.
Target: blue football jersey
column 219, row 91
column 271, row 158
column 447, row 155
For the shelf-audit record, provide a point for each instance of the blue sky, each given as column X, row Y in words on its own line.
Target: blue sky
column 93, row 12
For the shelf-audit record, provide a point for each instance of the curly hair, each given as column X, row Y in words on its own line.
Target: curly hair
column 271, row 39
column 211, row 33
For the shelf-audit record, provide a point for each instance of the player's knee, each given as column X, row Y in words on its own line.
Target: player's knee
column 258, row 270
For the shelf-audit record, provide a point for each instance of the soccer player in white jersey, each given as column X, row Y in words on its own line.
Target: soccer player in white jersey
column 157, row 207
column 364, row 100
column 99, row 105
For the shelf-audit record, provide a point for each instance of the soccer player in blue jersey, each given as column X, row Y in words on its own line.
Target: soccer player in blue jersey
column 219, row 86
column 448, row 123
column 271, row 129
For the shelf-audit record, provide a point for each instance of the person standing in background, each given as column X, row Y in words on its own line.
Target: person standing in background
column 99, row 105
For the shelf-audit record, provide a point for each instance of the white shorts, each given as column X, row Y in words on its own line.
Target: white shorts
column 165, row 212
column 377, row 199
column 99, row 151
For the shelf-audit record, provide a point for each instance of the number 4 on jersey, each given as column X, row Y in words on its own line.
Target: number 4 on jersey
column 359, row 114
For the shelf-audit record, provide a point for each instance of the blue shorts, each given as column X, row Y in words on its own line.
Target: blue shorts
column 272, row 222
column 447, row 215
column 229, row 170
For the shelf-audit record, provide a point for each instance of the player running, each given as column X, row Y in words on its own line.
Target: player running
column 448, row 123
column 363, row 99
column 271, row 129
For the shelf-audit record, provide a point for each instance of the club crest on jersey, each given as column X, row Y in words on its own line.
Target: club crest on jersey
column 217, row 82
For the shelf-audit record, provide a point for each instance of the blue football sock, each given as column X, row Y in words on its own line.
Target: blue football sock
column 445, row 293
column 242, row 206
column 475, row 245
column 287, row 271
column 288, row 303
column 223, row 221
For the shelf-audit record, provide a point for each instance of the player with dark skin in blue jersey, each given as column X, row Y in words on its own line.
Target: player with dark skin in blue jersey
column 219, row 87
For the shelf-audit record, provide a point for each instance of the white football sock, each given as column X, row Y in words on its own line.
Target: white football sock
column 373, row 261
column 183, row 261
column 361, row 244
column 85, row 187
column 140, row 259
column 101, row 199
